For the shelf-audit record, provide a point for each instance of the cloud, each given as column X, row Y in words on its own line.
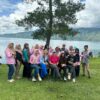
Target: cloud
column 89, row 17
column 7, row 23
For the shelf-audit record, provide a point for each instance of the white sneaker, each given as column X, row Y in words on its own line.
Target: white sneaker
column 11, row 80
column 33, row 79
column 39, row 78
column 69, row 76
column 74, row 80
column 65, row 79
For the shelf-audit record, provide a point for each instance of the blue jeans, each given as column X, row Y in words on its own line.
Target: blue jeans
column 10, row 71
column 36, row 69
column 43, row 70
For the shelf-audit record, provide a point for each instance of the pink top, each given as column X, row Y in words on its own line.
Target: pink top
column 34, row 59
column 54, row 59
column 9, row 56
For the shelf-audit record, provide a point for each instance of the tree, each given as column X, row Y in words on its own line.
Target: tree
column 52, row 17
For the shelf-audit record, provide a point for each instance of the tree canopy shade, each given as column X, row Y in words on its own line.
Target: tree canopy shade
column 52, row 17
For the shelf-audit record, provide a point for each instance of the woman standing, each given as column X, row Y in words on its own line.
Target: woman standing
column 26, row 56
column 19, row 60
column 10, row 58
column 85, row 61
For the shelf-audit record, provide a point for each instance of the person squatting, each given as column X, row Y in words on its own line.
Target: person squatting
column 40, row 62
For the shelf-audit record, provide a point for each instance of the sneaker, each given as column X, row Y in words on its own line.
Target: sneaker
column 18, row 77
column 65, row 79
column 74, row 80
column 33, row 79
column 11, row 80
column 69, row 76
column 39, row 78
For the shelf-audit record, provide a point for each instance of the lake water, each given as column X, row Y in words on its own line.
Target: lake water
column 93, row 46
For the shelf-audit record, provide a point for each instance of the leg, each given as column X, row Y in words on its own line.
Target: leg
column 83, row 66
column 73, row 72
column 56, row 71
column 64, row 70
column 36, row 70
column 10, row 72
column 77, row 70
column 24, row 70
column 87, row 69
column 43, row 70
column 18, row 66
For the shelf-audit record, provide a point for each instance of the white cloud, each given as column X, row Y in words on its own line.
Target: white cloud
column 90, row 17
column 7, row 23
column 86, row 18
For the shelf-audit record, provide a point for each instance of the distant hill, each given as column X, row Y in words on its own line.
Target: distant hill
column 85, row 34
column 18, row 35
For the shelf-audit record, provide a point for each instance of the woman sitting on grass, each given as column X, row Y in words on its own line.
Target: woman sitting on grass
column 10, row 58
column 34, row 61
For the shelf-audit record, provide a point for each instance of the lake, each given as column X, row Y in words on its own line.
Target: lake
column 93, row 46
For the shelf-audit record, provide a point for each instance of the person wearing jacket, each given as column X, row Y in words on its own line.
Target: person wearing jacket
column 10, row 60
column 26, row 57
column 34, row 63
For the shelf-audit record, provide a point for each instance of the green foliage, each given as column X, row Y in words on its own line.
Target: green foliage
column 57, row 19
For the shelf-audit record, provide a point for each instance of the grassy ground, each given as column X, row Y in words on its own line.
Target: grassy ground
column 83, row 89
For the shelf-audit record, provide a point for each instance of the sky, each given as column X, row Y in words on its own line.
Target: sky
column 11, row 10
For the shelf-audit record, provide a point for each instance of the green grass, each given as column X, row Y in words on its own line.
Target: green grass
column 83, row 89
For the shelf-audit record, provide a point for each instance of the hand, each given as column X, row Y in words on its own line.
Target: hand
column 63, row 65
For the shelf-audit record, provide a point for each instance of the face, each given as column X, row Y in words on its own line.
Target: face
column 45, row 52
column 19, row 47
column 36, row 52
column 72, row 52
column 63, row 45
column 71, row 48
column 11, row 45
column 27, row 46
column 36, row 46
column 85, row 48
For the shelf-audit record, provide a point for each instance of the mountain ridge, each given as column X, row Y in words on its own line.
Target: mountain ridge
column 85, row 34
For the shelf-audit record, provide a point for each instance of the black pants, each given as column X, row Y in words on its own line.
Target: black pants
column 27, row 70
column 64, row 70
column 77, row 70
column 71, row 69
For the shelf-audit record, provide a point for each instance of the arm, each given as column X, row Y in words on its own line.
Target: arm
column 8, row 53
column 25, row 55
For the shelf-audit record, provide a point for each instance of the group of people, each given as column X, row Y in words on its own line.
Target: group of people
column 39, row 62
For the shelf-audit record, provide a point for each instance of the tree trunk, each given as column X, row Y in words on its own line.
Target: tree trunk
column 49, row 34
